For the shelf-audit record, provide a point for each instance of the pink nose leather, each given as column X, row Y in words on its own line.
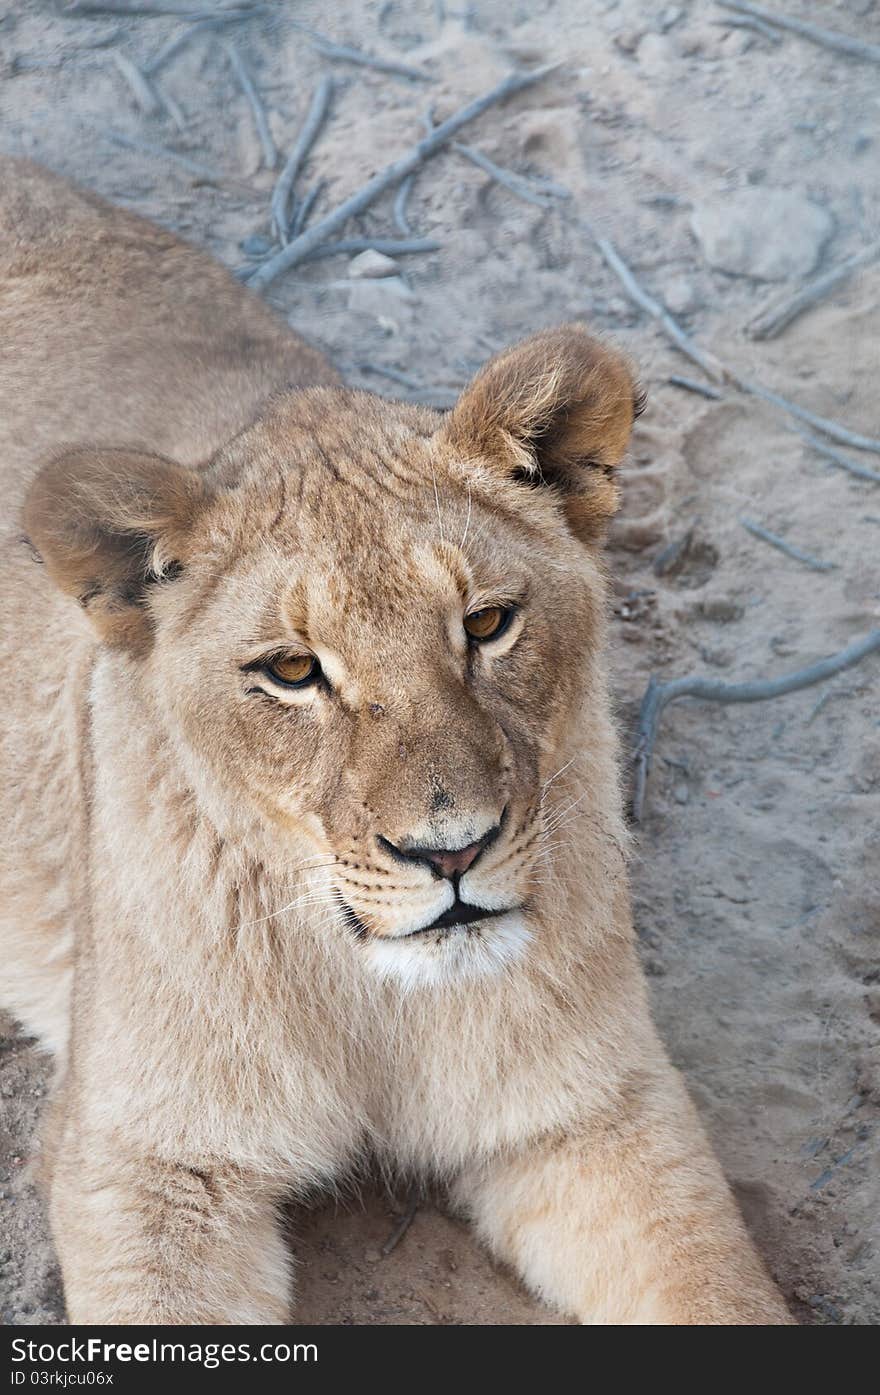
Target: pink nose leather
column 448, row 863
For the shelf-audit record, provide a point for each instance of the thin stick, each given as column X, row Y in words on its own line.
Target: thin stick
column 861, row 471
column 516, row 183
column 400, row 201
column 305, row 206
column 689, row 385
column 659, row 695
column 758, row 25
column 208, row 176
column 788, row 548
column 342, row 53
column 180, row 41
column 393, row 373
column 774, row 318
column 823, row 424
column 148, row 97
column 403, row 1225
column 388, row 178
column 389, row 246
column 280, row 206
column 130, row 7
column 173, row 108
column 261, row 121
column 826, row 38
column 145, row 95
column 710, row 365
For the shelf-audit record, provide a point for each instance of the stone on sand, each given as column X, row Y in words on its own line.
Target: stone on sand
column 769, row 234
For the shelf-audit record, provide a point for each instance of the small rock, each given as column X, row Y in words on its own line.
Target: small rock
column 255, row 246
column 720, row 610
column 383, row 298
column 680, row 295
column 768, row 234
column 628, row 40
column 682, row 794
column 371, row 265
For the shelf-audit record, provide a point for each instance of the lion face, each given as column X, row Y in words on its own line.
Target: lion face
column 375, row 630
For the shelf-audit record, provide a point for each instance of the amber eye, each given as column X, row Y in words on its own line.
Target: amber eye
column 489, row 623
column 293, row 670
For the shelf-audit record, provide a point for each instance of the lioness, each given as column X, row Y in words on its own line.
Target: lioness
column 313, row 839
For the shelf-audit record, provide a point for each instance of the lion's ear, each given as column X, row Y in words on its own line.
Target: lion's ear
column 555, row 410
column 107, row 524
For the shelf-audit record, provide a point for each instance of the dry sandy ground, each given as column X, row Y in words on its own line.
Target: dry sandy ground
column 755, row 878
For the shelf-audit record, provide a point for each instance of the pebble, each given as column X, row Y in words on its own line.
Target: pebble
column 371, row 265
column 680, row 295
column 255, row 246
column 768, row 234
column 384, row 296
column 628, row 40
column 682, row 794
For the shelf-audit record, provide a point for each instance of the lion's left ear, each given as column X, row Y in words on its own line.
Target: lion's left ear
column 555, row 410
column 108, row 524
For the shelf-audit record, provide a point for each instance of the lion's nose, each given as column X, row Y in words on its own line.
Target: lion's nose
column 446, row 862
column 458, row 861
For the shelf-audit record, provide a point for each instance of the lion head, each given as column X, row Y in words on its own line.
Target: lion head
column 369, row 627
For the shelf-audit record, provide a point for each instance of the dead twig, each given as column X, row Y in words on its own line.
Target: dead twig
column 779, row 313
column 789, row 549
column 389, row 178
column 180, row 41
column 826, row 38
column 853, row 466
column 145, row 95
column 342, row 53
column 702, row 389
column 98, row 8
column 393, row 373
column 261, row 120
column 281, row 194
column 403, row 1225
column 162, row 152
column 823, row 424
column 711, row 365
column 148, row 98
column 523, row 188
column 749, row 22
column 351, row 246
column 401, row 199
column 304, row 208
column 825, row 699
column 660, row 695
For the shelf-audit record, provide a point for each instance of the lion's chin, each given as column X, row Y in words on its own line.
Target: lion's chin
column 452, row 955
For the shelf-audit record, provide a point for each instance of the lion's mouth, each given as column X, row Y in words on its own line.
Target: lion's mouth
column 460, row 913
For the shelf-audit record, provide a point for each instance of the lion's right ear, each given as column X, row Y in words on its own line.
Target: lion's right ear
column 107, row 524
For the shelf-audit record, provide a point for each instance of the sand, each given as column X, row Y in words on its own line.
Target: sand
column 755, row 874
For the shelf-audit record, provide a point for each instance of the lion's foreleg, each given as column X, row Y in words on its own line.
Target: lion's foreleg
column 146, row 1241
column 626, row 1220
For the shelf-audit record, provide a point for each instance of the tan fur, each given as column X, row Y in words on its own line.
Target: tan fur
column 178, row 837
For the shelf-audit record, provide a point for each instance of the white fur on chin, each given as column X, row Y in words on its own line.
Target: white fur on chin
column 448, row 956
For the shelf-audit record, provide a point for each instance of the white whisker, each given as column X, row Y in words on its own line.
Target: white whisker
column 467, row 522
